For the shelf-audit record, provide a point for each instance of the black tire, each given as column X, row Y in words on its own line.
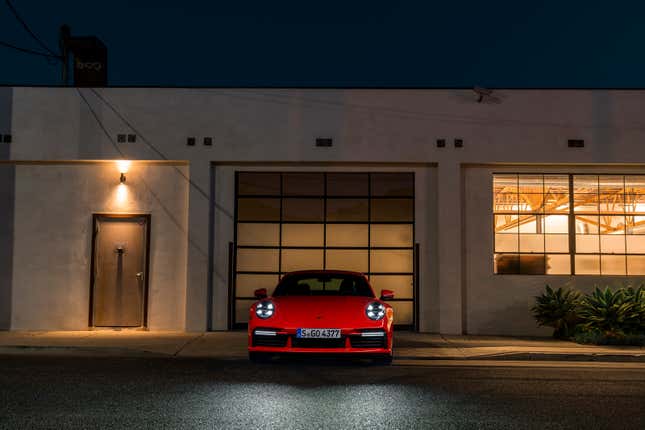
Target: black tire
column 383, row 360
column 259, row 357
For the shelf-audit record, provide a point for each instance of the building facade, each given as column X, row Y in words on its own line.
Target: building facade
column 165, row 208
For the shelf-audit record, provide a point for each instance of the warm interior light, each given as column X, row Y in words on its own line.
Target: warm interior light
column 123, row 165
column 121, row 194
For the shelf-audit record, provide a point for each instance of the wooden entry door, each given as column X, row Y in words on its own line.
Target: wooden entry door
column 119, row 270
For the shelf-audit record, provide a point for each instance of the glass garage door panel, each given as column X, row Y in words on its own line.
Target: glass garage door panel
column 362, row 222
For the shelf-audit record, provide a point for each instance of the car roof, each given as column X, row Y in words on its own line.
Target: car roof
column 325, row 272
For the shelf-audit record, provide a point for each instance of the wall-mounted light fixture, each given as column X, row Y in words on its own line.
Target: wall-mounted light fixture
column 124, row 166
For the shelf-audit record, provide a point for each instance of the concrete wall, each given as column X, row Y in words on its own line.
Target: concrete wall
column 53, row 230
column 500, row 304
column 388, row 126
column 6, row 211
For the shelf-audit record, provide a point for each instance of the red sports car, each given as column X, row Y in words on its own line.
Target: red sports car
column 321, row 311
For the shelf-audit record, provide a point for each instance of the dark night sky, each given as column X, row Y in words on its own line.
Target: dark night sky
column 589, row 43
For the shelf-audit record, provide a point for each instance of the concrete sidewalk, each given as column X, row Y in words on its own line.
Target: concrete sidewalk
column 231, row 345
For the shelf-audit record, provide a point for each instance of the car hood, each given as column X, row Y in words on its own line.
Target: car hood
column 321, row 311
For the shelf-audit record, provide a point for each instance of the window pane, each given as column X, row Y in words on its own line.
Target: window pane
column 392, row 210
column 612, row 203
column 347, row 235
column 635, row 203
column 558, row 264
column 587, row 224
column 556, row 242
column 391, row 261
column 556, row 184
column 242, row 309
column 303, row 210
column 303, row 184
column 587, row 265
column 635, row 184
column 505, row 184
column 403, row 312
column 637, row 224
column 347, row 259
column 612, row 223
column 391, row 235
column 507, row 264
column 249, row 209
column 301, row 259
column 507, row 243
column 531, row 242
column 392, row 184
column 611, row 184
column 585, row 184
column 347, row 209
column 531, row 203
column 612, row 243
column 531, row 184
column 257, row 260
column 635, row 244
column 402, row 285
column 302, row 235
column 507, row 223
column 530, row 224
column 532, row 264
column 556, row 224
column 259, row 183
column 636, row 265
column 258, row 234
column 612, row 264
column 556, row 203
column 505, row 202
column 245, row 285
column 587, row 243
column 347, row 184
column 585, row 203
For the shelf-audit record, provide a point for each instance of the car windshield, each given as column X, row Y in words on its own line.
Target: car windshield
column 323, row 285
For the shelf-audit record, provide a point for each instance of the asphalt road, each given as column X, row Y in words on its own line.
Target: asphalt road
column 90, row 392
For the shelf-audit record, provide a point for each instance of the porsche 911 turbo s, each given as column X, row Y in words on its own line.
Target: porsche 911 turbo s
column 322, row 312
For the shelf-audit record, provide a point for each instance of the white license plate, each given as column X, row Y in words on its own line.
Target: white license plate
column 318, row 333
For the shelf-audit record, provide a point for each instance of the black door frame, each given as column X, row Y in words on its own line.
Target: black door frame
column 95, row 218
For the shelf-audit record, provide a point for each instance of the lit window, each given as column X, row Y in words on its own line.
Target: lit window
column 531, row 224
column 532, row 214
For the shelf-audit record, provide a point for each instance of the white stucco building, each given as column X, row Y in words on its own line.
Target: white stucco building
column 465, row 209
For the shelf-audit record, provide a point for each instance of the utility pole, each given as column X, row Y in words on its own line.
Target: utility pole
column 63, row 39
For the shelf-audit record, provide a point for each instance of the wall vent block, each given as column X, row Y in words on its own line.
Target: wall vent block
column 324, row 142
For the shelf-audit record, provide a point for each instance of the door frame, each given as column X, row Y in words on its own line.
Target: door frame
column 95, row 218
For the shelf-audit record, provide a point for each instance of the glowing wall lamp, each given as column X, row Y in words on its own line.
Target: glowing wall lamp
column 124, row 166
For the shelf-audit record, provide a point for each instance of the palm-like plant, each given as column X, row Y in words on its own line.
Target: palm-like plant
column 557, row 309
column 635, row 322
column 610, row 312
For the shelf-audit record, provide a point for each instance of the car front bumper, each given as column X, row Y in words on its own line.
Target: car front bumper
column 352, row 341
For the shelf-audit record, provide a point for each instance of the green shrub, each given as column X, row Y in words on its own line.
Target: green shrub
column 611, row 313
column 557, row 309
column 636, row 322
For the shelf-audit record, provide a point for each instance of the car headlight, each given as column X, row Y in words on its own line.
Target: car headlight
column 265, row 309
column 375, row 311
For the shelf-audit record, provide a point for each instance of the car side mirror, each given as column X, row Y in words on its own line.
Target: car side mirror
column 387, row 294
column 260, row 293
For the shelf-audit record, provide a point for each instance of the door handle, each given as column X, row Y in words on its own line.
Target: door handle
column 140, row 276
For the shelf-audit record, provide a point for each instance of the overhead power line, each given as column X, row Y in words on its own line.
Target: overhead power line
column 148, row 143
column 154, row 195
column 28, row 30
column 28, row 51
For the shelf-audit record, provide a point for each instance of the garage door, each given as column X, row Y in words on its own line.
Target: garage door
column 324, row 220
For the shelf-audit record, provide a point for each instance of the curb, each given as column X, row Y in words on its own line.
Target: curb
column 530, row 356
